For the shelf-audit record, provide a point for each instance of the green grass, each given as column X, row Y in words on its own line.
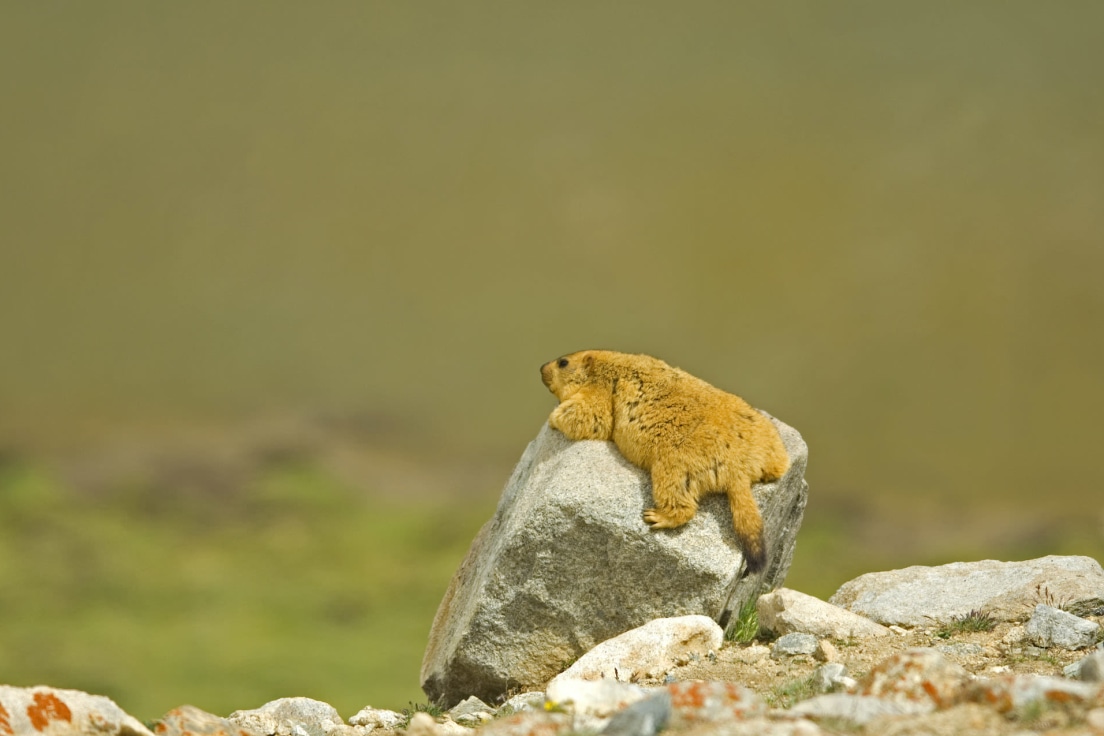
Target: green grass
column 972, row 621
column 408, row 712
column 298, row 587
column 746, row 627
column 786, row 695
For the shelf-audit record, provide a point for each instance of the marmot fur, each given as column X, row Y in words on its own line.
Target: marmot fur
column 693, row 438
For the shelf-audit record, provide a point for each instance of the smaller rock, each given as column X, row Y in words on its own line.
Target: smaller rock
column 921, row 596
column 290, row 717
column 961, row 649
column 449, row 727
column 920, row 675
column 648, row 651
column 1094, row 719
column 786, row 611
column 1052, row 627
column 832, row 676
column 1013, row 692
column 471, row 712
column 856, row 709
column 531, row 701
column 530, row 723
column 187, row 720
column 791, row 645
column 50, row 710
column 752, row 654
column 826, row 652
column 1091, row 668
column 422, row 724
column 645, row 717
column 595, row 698
column 372, row 719
column 713, row 702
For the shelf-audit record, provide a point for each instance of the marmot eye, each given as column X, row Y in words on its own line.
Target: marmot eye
column 562, row 362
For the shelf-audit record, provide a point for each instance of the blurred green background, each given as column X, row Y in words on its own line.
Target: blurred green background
column 276, row 278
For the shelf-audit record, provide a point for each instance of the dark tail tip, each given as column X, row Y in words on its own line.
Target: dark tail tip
column 755, row 555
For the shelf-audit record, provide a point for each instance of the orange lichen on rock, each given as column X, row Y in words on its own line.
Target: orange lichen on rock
column 5, row 722
column 47, row 707
column 697, row 701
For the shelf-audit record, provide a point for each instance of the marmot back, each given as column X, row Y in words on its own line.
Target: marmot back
column 693, row 437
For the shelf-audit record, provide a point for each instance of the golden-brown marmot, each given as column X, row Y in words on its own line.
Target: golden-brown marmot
column 694, row 438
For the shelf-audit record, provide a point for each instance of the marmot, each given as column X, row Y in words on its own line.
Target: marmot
column 693, row 438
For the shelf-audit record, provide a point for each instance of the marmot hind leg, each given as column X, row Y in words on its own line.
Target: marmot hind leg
column 675, row 501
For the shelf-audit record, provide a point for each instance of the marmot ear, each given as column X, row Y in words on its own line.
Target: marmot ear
column 588, row 361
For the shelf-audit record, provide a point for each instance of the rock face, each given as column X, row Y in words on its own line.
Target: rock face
column 650, row 650
column 289, row 717
column 48, row 710
column 567, row 562
column 919, row 596
column 1051, row 627
column 187, row 720
column 786, row 611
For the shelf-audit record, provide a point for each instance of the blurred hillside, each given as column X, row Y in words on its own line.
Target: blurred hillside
column 238, row 240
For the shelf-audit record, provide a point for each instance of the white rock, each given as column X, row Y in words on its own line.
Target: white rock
column 919, row 596
column 751, row 654
column 763, row 726
column 449, row 727
column 1091, row 668
column 471, row 712
column 695, row 702
column 598, row 698
column 1051, row 627
column 375, row 718
column 57, row 712
column 1014, row 692
column 961, row 649
column 918, row 674
column 532, row 723
column 791, row 645
column 648, row 651
column 1094, row 719
column 422, row 724
column 786, row 611
column 290, row 717
column 533, row 700
column 857, row 709
column 832, row 676
column 567, row 562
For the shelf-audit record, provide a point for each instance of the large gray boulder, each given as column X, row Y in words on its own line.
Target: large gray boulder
column 567, row 562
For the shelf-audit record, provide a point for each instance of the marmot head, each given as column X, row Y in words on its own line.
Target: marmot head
column 566, row 375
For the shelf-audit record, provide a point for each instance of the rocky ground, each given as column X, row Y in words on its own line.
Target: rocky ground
column 982, row 653
column 974, row 675
column 783, row 681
